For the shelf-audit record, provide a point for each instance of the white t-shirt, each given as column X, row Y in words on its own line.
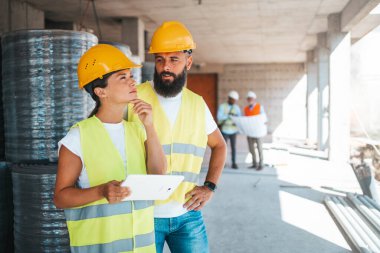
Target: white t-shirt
column 72, row 142
column 171, row 107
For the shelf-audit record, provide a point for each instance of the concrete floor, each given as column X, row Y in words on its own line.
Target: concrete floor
column 279, row 209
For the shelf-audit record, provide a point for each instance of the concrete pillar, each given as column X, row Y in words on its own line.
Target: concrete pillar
column 339, row 44
column 16, row 15
column 312, row 99
column 322, row 56
column 132, row 34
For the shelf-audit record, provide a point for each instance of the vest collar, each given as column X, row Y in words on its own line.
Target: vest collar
column 161, row 111
column 178, row 96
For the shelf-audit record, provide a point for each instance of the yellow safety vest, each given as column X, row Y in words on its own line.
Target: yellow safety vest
column 228, row 124
column 102, row 227
column 185, row 144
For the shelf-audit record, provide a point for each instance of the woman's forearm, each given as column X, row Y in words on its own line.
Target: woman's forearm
column 71, row 197
column 66, row 195
column 156, row 160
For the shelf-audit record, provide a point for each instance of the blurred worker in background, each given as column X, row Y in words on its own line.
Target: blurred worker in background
column 252, row 109
column 226, row 125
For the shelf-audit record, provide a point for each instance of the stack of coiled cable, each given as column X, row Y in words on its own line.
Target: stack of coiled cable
column 147, row 71
column 6, row 209
column 41, row 102
column 38, row 225
column 40, row 90
column 2, row 146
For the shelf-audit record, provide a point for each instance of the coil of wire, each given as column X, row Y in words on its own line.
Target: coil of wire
column 137, row 72
column 38, row 225
column 2, row 146
column 147, row 71
column 6, row 209
column 40, row 90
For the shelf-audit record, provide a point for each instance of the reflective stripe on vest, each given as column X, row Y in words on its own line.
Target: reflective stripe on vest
column 181, row 148
column 103, row 227
column 185, row 142
column 123, row 245
column 104, row 210
column 189, row 176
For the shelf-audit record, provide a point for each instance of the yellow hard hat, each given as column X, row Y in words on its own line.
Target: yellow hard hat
column 171, row 36
column 99, row 60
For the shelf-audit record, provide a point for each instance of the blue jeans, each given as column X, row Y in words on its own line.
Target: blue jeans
column 183, row 234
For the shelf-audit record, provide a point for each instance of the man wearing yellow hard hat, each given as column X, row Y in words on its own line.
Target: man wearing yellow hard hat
column 185, row 128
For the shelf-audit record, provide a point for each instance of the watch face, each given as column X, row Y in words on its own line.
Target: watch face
column 210, row 185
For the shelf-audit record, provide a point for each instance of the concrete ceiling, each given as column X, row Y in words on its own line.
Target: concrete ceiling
column 238, row 31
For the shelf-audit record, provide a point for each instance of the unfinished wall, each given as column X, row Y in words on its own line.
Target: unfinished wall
column 281, row 88
column 365, row 86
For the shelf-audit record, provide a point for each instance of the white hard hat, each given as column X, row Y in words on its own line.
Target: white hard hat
column 251, row 94
column 233, row 94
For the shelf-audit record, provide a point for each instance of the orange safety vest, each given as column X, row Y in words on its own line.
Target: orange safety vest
column 252, row 112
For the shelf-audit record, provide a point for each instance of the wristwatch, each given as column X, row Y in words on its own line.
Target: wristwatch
column 210, row 185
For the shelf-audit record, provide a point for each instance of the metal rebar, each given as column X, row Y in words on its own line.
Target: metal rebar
column 375, row 221
column 372, row 202
column 373, row 209
column 358, row 242
column 361, row 227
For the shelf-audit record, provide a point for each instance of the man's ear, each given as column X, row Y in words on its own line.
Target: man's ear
column 100, row 92
column 189, row 62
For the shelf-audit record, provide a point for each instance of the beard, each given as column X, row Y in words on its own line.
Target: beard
column 169, row 88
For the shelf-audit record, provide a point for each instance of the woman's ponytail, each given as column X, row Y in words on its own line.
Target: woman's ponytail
column 96, row 109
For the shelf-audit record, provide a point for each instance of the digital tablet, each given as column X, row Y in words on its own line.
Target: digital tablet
column 151, row 187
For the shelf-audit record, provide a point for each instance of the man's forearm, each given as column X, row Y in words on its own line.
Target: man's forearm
column 217, row 161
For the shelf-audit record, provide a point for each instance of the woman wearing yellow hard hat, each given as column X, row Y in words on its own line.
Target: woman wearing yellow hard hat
column 99, row 152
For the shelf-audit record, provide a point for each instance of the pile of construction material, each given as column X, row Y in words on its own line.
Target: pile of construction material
column 359, row 217
column 366, row 152
column 40, row 102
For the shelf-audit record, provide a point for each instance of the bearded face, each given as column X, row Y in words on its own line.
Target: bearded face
column 167, row 87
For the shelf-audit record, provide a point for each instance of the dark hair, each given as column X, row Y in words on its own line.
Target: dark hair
column 101, row 83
